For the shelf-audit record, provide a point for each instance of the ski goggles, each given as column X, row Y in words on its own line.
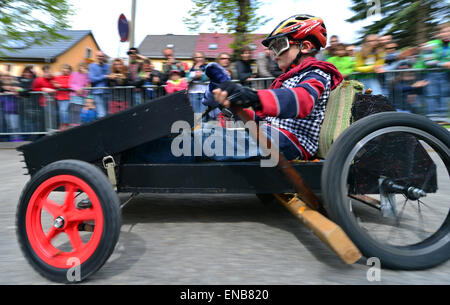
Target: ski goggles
column 280, row 45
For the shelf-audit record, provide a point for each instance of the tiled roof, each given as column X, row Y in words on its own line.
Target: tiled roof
column 183, row 45
column 222, row 43
column 47, row 51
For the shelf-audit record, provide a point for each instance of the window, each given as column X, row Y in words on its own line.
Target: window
column 88, row 53
column 213, row 46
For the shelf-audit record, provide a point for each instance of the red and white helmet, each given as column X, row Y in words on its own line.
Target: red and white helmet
column 299, row 28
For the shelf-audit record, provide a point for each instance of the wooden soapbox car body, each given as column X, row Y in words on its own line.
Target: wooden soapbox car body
column 89, row 160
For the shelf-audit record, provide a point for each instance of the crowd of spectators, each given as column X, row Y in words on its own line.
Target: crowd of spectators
column 92, row 91
column 415, row 79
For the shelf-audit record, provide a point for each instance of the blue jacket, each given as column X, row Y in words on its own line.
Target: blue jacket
column 97, row 76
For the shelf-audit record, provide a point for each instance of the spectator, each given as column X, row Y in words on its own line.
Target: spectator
column 149, row 78
column 407, row 91
column 63, row 95
column 436, row 54
column 334, row 40
column 26, row 79
column 370, row 61
column 78, row 81
column 135, row 68
column 391, row 62
column 384, row 41
column 118, row 77
column 224, row 60
column 176, row 82
column 9, row 106
column 392, row 55
column 135, row 63
column 422, row 50
column 29, row 102
column 46, row 84
column 329, row 51
column 196, row 79
column 98, row 73
column 267, row 66
column 351, row 51
column 244, row 66
column 263, row 64
column 342, row 61
column 171, row 64
column 88, row 112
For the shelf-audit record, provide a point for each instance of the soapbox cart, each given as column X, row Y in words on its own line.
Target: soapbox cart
column 383, row 188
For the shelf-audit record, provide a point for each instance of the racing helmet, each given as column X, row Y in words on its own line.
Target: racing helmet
column 296, row 29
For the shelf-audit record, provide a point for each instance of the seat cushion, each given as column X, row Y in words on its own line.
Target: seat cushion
column 338, row 114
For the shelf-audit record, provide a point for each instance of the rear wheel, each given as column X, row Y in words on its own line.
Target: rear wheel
column 386, row 183
column 68, row 220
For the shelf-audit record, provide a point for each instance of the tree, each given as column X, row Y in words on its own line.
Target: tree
column 24, row 22
column 409, row 22
column 234, row 16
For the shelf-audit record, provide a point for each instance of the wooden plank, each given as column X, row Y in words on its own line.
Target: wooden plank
column 112, row 134
column 214, row 177
column 327, row 231
column 372, row 202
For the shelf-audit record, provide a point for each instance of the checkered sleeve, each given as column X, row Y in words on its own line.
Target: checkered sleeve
column 313, row 85
column 296, row 102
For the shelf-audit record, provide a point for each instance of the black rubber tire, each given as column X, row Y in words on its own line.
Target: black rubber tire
column 432, row 251
column 110, row 205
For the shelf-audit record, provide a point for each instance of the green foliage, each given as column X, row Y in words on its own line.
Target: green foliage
column 32, row 21
column 239, row 17
column 409, row 22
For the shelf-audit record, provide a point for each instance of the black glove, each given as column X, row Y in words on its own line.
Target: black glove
column 240, row 96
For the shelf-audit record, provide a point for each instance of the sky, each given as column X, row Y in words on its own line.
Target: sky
column 164, row 17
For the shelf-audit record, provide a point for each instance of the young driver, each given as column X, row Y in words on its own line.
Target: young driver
column 294, row 106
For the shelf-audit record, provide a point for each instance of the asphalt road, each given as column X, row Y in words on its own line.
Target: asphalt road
column 201, row 239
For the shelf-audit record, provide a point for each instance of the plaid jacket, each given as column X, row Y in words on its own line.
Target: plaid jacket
column 295, row 106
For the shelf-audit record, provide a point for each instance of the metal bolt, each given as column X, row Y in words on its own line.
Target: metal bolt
column 416, row 193
column 59, row 222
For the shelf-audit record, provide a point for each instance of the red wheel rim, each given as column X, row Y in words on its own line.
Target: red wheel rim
column 41, row 241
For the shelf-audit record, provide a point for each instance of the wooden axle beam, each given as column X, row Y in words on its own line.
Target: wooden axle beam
column 327, row 231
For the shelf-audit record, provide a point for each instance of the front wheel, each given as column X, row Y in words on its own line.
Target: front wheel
column 68, row 220
column 386, row 183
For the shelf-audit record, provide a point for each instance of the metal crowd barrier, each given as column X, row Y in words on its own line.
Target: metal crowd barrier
column 27, row 116
column 421, row 91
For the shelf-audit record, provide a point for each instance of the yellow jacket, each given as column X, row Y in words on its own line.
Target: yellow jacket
column 367, row 65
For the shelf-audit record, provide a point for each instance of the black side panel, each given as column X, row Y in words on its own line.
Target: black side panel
column 112, row 134
column 213, row 177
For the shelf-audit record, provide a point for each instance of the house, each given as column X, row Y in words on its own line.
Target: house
column 79, row 46
column 183, row 46
column 212, row 44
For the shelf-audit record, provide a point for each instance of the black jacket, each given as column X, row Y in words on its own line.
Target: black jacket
column 244, row 70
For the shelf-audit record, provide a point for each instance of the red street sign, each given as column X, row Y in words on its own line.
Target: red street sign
column 123, row 28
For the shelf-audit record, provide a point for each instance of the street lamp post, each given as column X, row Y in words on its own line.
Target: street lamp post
column 133, row 23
